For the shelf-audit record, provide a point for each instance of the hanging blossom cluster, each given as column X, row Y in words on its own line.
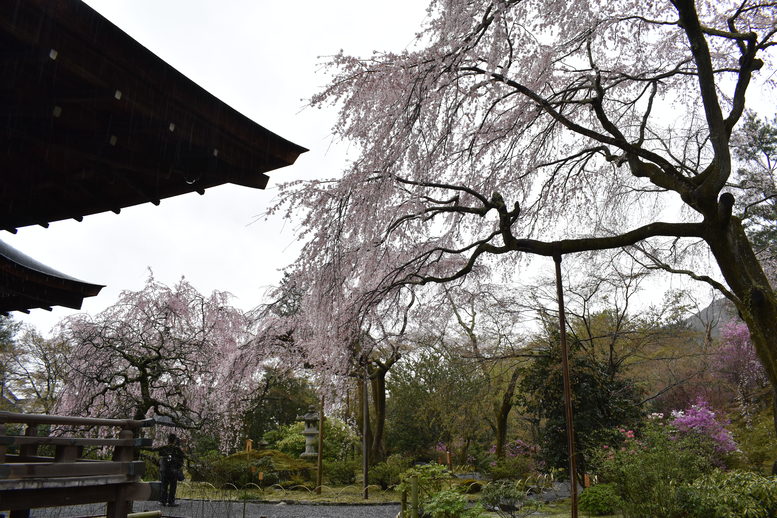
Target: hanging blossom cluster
column 701, row 419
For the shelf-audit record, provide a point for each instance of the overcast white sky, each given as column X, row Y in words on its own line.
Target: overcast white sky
column 262, row 58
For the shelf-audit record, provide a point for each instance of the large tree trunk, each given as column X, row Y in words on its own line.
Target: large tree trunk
column 503, row 413
column 366, row 434
column 146, row 401
column 378, row 444
column 752, row 294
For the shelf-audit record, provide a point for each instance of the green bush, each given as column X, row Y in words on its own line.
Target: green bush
column 511, row 468
column 737, row 494
column 464, row 468
column 469, row 486
column 152, row 467
column 600, row 500
column 339, row 439
column 386, row 474
column 296, row 482
column 755, row 440
column 649, row 470
column 201, row 466
column 450, row 503
column 241, row 469
column 340, row 472
column 509, row 498
column 432, row 478
column 287, row 439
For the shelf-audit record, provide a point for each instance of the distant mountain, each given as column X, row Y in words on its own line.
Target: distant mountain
column 710, row 319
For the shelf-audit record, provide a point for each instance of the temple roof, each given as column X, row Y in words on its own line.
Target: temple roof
column 25, row 284
column 92, row 121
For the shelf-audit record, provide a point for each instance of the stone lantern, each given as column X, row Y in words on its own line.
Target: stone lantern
column 311, row 433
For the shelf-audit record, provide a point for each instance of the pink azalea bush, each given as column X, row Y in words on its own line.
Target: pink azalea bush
column 648, row 466
column 651, row 467
column 701, row 419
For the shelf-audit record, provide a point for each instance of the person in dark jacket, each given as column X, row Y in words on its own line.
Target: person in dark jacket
column 170, row 470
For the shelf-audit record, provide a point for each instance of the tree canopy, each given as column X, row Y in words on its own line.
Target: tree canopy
column 164, row 351
column 540, row 127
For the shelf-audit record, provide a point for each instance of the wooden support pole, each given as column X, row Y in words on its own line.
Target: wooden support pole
column 320, row 460
column 365, row 427
column 567, row 388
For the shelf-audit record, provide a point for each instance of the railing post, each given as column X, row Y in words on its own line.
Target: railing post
column 122, row 506
column 3, row 447
column 29, row 450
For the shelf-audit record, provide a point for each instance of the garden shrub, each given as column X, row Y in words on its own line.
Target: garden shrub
column 450, row 503
column 518, row 461
column 340, row 472
column 460, row 469
column 432, row 478
column 152, row 467
column 736, row 494
column 386, row 474
column 296, row 482
column 200, row 466
column 511, row 468
column 701, row 420
column 600, row 500
column 287, row 439
column 649, row 469
column 469, row 486
column 241, row 469
column 509, row 498
column 755, row 439
column 339, row 440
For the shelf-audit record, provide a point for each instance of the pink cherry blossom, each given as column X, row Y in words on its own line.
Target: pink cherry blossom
column 162, row 351
column 542, row 126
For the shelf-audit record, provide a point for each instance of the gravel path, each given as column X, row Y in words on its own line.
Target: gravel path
column 203, row 509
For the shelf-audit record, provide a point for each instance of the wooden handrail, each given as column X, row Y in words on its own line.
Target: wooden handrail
column 70, row 469
column 34, row 419
column 19, row 440
column 29, row 480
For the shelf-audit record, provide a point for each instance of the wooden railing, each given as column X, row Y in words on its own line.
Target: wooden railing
column 28, row 480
